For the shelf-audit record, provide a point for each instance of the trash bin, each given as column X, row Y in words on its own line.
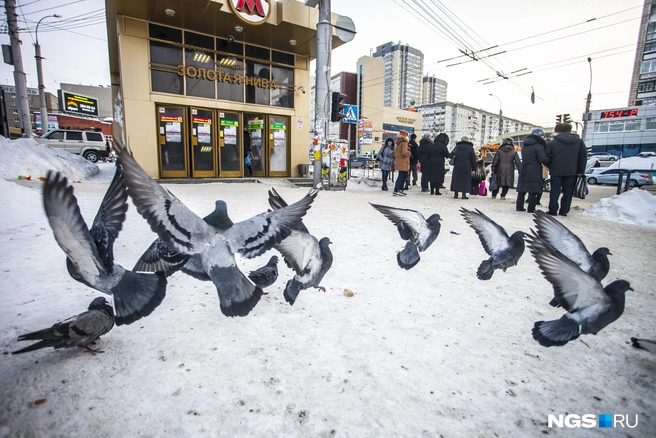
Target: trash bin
column 304, row 169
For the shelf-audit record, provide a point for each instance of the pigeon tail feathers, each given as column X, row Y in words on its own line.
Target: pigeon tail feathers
column 486, row 269
column 554, row 302
column 292, row 289
column 137, row 295
column 644, row 344
column 409, row 256
column 556, row 333
column 41, row 344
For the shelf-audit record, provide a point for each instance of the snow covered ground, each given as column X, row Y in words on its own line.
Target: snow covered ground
column 426, row 352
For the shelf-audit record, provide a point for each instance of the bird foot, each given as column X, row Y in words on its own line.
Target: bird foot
column 322, row 289
column 92, row 351
column 503, row 267
column 265, row 293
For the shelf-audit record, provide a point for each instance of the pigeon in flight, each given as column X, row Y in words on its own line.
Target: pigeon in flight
column 186, row 233
column 310, row 259
column 504, row 251
column 590, row 307
column 419, row 232
column 569, row 245
column 78, row 331
column 267, row 274
column 644, row 344
column 159, row 257
column 90, row 253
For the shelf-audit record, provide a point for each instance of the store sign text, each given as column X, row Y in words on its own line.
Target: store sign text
column 213, row 75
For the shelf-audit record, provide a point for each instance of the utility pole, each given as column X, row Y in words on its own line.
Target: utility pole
column 39, row 73
column 19, row 74
column 587, row 103
column 323, row 102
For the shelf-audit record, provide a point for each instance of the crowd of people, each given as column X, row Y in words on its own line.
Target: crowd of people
column 562, row 160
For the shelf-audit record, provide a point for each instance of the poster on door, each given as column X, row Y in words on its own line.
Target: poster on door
column 173, row 132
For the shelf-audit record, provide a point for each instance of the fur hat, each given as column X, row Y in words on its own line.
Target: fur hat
column 507, row 140
column 413, row 136
column 563, row 127
column 426, row 135
column 403, row 133
column 465, row 138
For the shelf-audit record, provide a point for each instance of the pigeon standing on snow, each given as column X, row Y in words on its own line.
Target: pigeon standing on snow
column 186, row 233
column 419, row 232
column 644, row 344
column 78, row 331
column 90, row 253
column 590, row 307
column 267, row 274
column 310, row 259
column 504, row 251
column 569, row 245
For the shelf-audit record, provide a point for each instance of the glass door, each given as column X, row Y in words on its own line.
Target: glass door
column 278, row 146
column 257, row 135
column 230, row 156
column 172, row 142
column 203, row 152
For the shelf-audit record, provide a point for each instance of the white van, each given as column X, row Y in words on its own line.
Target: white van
column 90, row 144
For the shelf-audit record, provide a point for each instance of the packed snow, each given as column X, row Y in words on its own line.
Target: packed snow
column 427, row 352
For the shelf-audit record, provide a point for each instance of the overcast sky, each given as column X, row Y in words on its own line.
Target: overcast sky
column 557, row 59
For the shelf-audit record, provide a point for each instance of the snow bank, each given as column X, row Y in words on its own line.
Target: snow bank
column 635, row 163
column 637, row 207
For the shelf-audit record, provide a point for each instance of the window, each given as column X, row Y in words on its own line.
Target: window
column 632, row 125
column 15, row 111
column 16, row 119
column 164, row 59
column 56, row 135
column 74, row 135
column 94, row 136
column 616, row 126
column 651, row 123
column 603, row 126
column 199, row 59
column 648, row 66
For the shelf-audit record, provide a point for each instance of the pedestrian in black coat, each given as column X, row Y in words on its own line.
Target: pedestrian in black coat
column 530, row 174
column 503, row 166
column 438, row 156
column 414, row 159
column 568, row 157
column 464, row 160
column 424, row 155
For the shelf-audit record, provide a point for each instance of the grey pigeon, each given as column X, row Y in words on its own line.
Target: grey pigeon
column 644, row 344
column 590, row 307
column 419, row 232
column 504, row 251
column 90, row 253
column 569, row 245
column 267, row 274
column 310, row 259
column 78, row 331
column 159, row 257
column 186, row 233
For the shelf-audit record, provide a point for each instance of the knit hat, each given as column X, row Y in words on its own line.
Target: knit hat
column 426, row 135
column 563, row 127
column 507, row 140
column 413, row 136
column 403, row 133
column 465, row 138
column 537, row 131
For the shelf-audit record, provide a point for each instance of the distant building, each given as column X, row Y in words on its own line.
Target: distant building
column 622, row 132
column 433, row 90
column 643, row 81
column 102, row 94
column 403, row 71
column 11, row 105
column 345, row 83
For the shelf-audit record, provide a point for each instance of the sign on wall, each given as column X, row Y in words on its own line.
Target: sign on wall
column 79, row 104
column 251, row 11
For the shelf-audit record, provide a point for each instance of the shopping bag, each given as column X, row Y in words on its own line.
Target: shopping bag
column 247, row 160
column 493, row 182
column 482, row 191
column 580, row 187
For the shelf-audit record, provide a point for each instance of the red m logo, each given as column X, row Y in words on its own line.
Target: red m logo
column 251, row 5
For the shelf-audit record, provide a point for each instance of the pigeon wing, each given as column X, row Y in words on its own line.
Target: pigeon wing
column 298, row 249
column 574, row 289
column 276, row 202
column 68, row 226
column 493, row 237
column 563, row 240
column 410, row 223
column 159, row 258
column 194, row 268
column 174, row 223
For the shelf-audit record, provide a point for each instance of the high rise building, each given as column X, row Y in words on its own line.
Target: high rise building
column 643, row 82
column 404, row 67
column 433, row 90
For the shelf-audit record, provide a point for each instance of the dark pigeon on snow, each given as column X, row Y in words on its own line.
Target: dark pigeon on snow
column 310, row 259
column 504, row 251
column 78, row 331
column 186, row 233
column 590, row 307
column 644, row 344
column 267, row 274
column 419, row 232
column 90, row 253
column 569, row 245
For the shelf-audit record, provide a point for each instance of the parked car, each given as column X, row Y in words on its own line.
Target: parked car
column 602, row 175
column 362, row 162
column 602, row 156
column 91, row 145
column 647, row 154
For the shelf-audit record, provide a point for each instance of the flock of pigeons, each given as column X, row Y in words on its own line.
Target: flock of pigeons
column 205, row 249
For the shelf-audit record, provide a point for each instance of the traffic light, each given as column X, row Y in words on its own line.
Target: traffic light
column 559, row 118
column 567, row 118
column 336, row 113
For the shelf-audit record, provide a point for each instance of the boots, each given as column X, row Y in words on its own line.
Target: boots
column 384, row 186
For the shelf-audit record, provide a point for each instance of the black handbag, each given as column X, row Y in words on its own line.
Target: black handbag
column 494, row 185
column 580, row 187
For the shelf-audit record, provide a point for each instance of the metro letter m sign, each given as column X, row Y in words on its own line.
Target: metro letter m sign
column 250, row 6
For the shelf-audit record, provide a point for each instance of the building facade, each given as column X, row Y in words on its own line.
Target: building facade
column 404, row 67
column 433, row 90
column 344, row 83
column 199, row 84
column 103, row 95
column 643, row 81
column 11, row 106
column 624, row 132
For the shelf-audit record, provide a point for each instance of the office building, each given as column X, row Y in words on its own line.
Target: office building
column 643, row 81
column 624, row 132
column 433, row 90
column 402, row 80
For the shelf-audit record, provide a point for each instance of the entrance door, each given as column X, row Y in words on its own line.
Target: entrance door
column 172, row 142
column 278, row 146
column 203, row 152
column 230, row 154
column 255, row 126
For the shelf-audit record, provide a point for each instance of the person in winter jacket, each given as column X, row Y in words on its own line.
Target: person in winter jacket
column 503, row 166
column 568, row 157
column 478, row 175
column 438, row 155
column 386, row 159
column 401, row 162
column 423, row 154
column 530, row 175
column 464, row 160
column 414, row 159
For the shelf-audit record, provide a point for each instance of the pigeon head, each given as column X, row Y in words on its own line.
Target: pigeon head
column 98, row 303
column 324, row 242
column 603, row 251
column 518, row 236
column 434, row 221
column 219, row 217
column 620, row 286
column 273, row 260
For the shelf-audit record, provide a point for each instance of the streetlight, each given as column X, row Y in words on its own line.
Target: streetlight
column 587, row 103
column 500, row 115
column 39, row 74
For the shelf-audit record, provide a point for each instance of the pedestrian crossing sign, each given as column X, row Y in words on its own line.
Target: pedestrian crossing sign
column 351, row 114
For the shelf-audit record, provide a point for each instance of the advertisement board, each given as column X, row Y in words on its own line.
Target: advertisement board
column 78, row 104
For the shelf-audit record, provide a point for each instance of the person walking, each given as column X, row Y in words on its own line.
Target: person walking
column 478, row 174
column 464, row 160
column 438, row 156
column 385, row 160
column 503, row 166
column 423, row 154
column 247, row 152
column 414, row 159
column 401, row 162
column 567, row 159
column 530, row 175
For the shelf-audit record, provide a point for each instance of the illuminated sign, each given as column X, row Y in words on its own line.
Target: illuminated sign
column 633, row 112
column 251, row 11
column 76, row 103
